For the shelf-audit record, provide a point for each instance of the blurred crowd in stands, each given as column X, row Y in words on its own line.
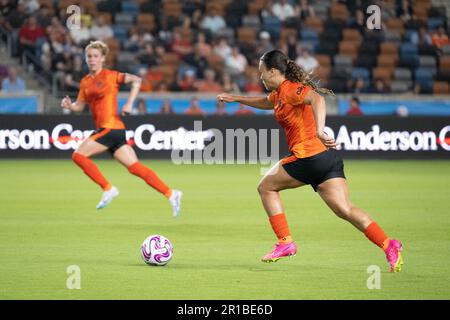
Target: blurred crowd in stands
column 214, row 46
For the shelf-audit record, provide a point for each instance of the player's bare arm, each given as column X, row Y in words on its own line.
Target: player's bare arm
column 76, row 106
column 135, row 87
column 255, row 102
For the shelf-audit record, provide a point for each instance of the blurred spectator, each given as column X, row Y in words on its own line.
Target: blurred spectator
column 404, row 10
column 15, row 19
column 57, row 29
column 380, row 87
column 308, row 62
column 82, row 35
column 213, row 22
column 254, row 84
column 186, row 82
column 422, row 37
column 359, row 86
column 29, row 35
column 180, row 45
column 100, row 30
column 267, row 11
column 244, row 111
column 30, row 6
column 304, row 10
column 197, row 61
column 283, row 10
column 141, row 108
column 292, row 46
column 163, row 86
column 355, row 109
column 147, row 55
column 73, row 78
column 202, row 46
column 3, row 72
column 194, row 109
column 166, row 107
column 236, row 62
column 209, row 84
column 228, row 84
column 146, row 85
column 137, row 40
column 402, row 111
column 6, row 6
column 43, row 16
column 359, row 23
column 440, row 38
column 264, row 44
column 222, row 48
column 220, row 109
column 13, row 83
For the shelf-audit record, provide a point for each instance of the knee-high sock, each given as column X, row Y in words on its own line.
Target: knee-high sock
column 150, row 177
column 280, row 227
column 375, row 234
column 91, row 170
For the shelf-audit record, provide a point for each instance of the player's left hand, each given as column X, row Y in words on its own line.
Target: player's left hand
column 126, row 109
column 326, row 140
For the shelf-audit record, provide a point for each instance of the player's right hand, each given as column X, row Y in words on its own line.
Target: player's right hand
column 66, row 102
column 226, row 97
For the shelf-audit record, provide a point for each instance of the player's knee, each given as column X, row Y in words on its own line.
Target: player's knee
column 343, row 211
column 261, row 188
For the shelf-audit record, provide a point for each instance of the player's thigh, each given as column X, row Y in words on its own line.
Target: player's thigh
column 335, row 194
column 277, row 179
column 89, row 148
column 126, row 155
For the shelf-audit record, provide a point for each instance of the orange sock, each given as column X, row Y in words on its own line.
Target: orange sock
column 280, row 227
column 150, row 177
column 377, row 235
column 91, row 170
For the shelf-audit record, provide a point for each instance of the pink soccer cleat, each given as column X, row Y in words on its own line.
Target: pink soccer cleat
column 280, row 251
column 393, row 255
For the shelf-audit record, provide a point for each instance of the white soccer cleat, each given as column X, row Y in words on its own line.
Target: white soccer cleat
column 175, row 201
column 107, row 197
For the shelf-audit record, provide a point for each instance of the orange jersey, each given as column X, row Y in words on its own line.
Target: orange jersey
column 296, row 118
column 100, row 92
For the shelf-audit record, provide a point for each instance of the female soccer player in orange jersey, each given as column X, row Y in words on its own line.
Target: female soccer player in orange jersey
column 301, row 111
column 99, row 89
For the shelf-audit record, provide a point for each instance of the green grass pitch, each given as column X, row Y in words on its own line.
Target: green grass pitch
column 48, row 222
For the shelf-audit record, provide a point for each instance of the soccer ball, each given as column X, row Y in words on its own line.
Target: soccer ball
column 156, row 250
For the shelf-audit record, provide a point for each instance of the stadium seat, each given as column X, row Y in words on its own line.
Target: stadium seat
column 389, row 48
column 146, row 21
column 408, row 49
column 398, row 86
column 124, row 19
column 251, row 20
column 273, row 26
column 314, row 23
column 382, row 73
column 324, row 60
column 440, row 87
column 342, row 61
column 309, row 35
column 403, row 74
column 246, row 35
column 393, row 36
column 387, row 60
column 434, row 23
column 424, row 76
column 444, row 63
column 130, row 7
column 396, row 24
column 120, row 32
column 427, row 62
column 362, row 73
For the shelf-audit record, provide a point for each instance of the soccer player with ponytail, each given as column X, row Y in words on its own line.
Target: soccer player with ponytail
column 99, row 89
column 300, row 110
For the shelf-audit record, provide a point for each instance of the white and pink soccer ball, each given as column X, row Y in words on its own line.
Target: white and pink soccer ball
column 156, row 250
